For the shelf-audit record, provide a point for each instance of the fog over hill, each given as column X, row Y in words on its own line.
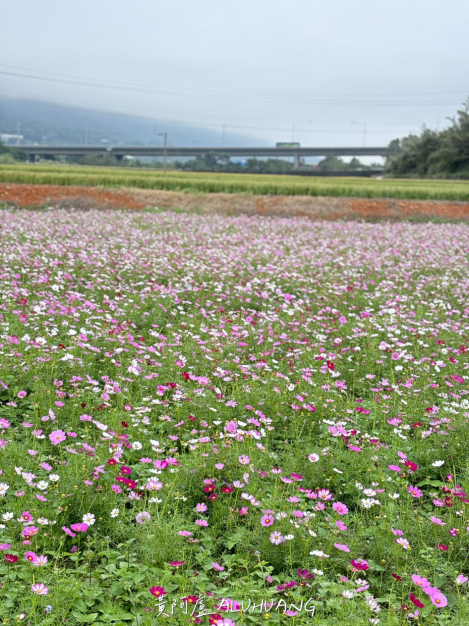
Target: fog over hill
column 42, row 122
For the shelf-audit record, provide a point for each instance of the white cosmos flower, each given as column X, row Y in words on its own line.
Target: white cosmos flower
column 89, row 519
column 7, row 517
column 54, row 477
column 136, row 445
column 437, row 463
column 314, row 458
column 42, row 484
column 394, row 496
column 114, row 512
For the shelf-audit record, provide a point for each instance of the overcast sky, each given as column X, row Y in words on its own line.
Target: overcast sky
column 310, row 71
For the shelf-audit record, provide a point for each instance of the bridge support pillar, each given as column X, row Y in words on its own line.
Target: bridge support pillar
column 119, row 157
column 32, row 158
column 296, row 162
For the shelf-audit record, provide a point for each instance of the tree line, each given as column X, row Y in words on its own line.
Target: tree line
column 439, row 154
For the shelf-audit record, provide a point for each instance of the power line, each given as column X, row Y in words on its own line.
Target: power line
column 282, row 99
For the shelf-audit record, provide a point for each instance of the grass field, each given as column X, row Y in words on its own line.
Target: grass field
column 235, row 183
column 261, row 414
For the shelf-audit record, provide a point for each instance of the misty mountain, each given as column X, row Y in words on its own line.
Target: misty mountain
column 49, row 123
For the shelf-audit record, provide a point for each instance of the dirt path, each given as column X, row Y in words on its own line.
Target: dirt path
column 234, row 204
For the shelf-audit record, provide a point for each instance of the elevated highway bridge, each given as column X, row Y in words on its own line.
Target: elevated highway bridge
column 143, row 151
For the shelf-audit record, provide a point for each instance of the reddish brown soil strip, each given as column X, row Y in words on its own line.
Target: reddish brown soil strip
column 231, row 204
column 80, row 197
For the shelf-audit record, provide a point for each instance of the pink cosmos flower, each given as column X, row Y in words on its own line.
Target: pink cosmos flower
column 437, row 520
column 201, row 522
column 244, row 460
column 4, row 546
column 142, row 517
column 40, row 561
column 415, row 492
column 217, row 567
column 354, row 448
column 340, row 525
column 243, row 510
column 438, row 599
column 185, row 533
column 394, row 468
column 40, row 589
column 360, row 564
column 340, row 508
column 22, row 394
column 57, row 436
column 267, row 520
column 201, row 507
column 342, row 546
column 420, row 581
column 276, row 538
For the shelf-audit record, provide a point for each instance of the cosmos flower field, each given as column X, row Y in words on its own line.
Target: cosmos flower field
column 234, row 420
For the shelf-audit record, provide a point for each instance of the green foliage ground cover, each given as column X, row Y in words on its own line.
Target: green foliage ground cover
column 196, row 182
column 265, row 410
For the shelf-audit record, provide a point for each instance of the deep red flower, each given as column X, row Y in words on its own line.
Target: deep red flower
column 442, row 547
column 213, row 619
column 396, row 576
column 190, row 599
column 124, row 424
column 11, row 558
column 416, row 601
column 126, row 470
column 410, row 465
column 112, row 462
column 304, row 573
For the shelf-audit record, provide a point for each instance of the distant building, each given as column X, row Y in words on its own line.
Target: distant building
column 11, row 140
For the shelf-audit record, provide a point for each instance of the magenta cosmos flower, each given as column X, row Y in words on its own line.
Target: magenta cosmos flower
column 415, row 492
column 360, row 564
column 267, row 520
column 57, row 436
column 40, row 589
column 158, row 592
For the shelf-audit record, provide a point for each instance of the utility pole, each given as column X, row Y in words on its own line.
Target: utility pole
column 165, row 145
